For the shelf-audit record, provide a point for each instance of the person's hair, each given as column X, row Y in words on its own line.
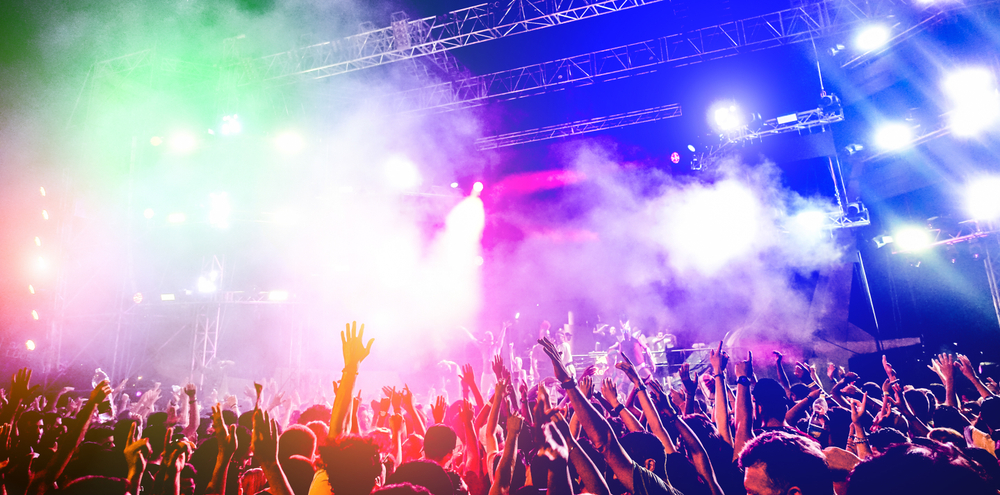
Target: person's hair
column 949, row 417
column 316, row 412
column 704, row 429
column 918, row 470
column 297, row 440
column 789, row 460
column 402, row 489
column 439, row 441
column 883, row 438
column 947, row 435
column 98, row 433
column 641, row 446
column 919, row 404
column 88, row 485
column 357, row 465
column 425, row 473
column 770, row 396
column 320, row 429
column 799, row 391
column 299, row 472
column 156, row 419
column 872, row 389
column 939, row 392
column 989, row 412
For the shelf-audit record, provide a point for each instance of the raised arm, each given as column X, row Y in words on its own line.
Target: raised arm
column 468, row 378
column 744, row 405
column 970, row 372
column 411, row 411
column 228, row 443
column 355, row 351
column 191, row 430
column 264, row 443
column 648, row 410
column 719, row 359
column 610, row 393
column 504, row 471
column 597, row 428
column 782, row 376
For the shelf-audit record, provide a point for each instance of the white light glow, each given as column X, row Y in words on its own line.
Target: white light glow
column 205, row 285
column 477, row 187
column 42, row 190
column 810, row 221
column 45, row 214
column 167, row 297
column 454, row 185
column 31, row 288
column 872, row 37
column 176, row 218
column 219, row 210
column 975, row 100
column 983, row 198
column 913, row 239
column 148, row 213
column 29, row 345
column 289, row 142
column 401, row 173
column 183, row 142
column 893, row 136
column 34, row 314
column 231, row 125
column 38, row 241
column 277, row 295
column 727, row 117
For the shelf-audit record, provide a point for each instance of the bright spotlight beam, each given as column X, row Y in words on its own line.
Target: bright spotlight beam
column 893, row 136
column 872, row 37
column 983, row 198
column 913, row 239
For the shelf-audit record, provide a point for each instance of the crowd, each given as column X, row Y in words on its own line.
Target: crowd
column 604, row 432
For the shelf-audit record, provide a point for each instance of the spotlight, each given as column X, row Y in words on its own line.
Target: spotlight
column 835, row 49
column 882, row 240
column 517, row 315
column 219, row 209
column 34, row 315
column 853, row 148
column 277, row 295
column 45, row 214
column 401, row 173
column 183, row 142
column 148, row 213
column 156, row 140
column 913, row 239
column 31, row 288
column 675, row 157
column 478, row 261
column 205, row 285
column 29, row 345
column 975, row 100
column 137, row 298
column 872, row 37
column 454, row 185
column 42, row 190
column 176, row 218
column 983, row 198
column 231, row 125
column 477, row 187
column 691, row 148
column 289, row 142
column 38, row 241
column 727, row 117
column 893, row 136
column 167, row 297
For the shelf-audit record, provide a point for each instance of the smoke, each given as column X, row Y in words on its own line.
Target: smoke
column 699, row 256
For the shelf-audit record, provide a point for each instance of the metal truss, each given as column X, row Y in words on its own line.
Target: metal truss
column 430, row 35
column 798, row 24
column 579, row 127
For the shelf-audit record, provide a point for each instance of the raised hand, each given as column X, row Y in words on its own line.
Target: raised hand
column 610, row 392
column 20, row 389
column 801, row 371
column 191, row 391
column 355, row 350
column 264, row 440
column 684, row 373
column 858, row 408
column 587, row 386
column 965, row 366
column 719, row 359
column 629, row 369
column 388, row 391
column 226, row 435
column 405, row 397
column 559, row 368
column 514, row 423
column 946, row 364
column 438, row 409
column 498, row 367
column 745, row 368
column 468, row 376
column 101, row 391
column 589, row 370
column 889, row 372
column 137, row 450
column 465, row 412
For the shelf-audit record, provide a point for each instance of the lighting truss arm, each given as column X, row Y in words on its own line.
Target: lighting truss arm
column 420, row 37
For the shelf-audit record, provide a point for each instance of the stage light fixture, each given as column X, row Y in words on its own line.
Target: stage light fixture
column 31, row 288
column 205, row 285
column 34, row 315
column 454, row 185
column 401, row 173
column 176, row 218
column 289, row 142
column 872, row 37
column 137, row 298
column 277, row 295
column 231, row 125
column 29, row 345
column 691, row 148
column 893, row 136
column 727, row 117
column 45, row 214
column 167, row 297
column 219, row 210
column 983, row 198
column 675, row 157
column 183, row 142
column 975, row 100
column 148, row 213
column 42, row 190
column 913, row 239
column 517, row 315
column 477, row 187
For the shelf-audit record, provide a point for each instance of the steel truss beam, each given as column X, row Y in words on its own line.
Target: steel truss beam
column 428, row 36
column 579, row 127
column 798, row 24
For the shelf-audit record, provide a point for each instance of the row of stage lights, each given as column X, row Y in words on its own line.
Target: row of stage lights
column 982, row 203
column 42, row 266
column 183, row 142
